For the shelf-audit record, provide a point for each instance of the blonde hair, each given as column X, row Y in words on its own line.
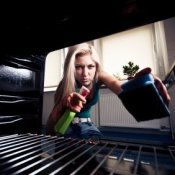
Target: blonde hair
column 68, row 82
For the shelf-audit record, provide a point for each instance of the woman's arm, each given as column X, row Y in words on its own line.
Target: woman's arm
column 115, row 85
column 110, row 81
column 74, row 102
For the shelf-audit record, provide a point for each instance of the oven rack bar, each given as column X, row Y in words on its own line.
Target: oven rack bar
column 43, row 154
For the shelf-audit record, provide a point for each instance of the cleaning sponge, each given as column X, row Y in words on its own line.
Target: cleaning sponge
column 142, row 99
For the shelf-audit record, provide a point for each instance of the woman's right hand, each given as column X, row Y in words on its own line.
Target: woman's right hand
column 75, row 102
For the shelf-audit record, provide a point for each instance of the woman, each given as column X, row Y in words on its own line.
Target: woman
column 82, row 68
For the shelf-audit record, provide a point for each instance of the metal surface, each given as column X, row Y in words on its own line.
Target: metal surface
column 21, row 91
column 40, row 154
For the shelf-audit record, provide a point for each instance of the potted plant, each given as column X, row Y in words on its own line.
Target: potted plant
column 130, row 70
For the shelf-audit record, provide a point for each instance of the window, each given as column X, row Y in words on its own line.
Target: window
column 136, row 45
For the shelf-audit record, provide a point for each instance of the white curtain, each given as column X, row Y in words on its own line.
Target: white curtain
column 161, row 49
column 145, row 46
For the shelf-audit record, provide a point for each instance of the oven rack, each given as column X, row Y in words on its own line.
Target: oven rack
column 44, row 154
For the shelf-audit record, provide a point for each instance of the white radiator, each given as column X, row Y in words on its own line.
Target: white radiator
column 111, row 112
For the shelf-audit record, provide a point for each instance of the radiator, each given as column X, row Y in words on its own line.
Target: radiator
column 111, row 112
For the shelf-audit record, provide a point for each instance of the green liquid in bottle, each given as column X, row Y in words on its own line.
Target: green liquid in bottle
column 66, row 119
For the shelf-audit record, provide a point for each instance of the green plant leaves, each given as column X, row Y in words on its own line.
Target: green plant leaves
column 130, row 70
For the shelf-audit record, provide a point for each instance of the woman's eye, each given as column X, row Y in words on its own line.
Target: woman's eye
column 78, row 67
column 91, row 66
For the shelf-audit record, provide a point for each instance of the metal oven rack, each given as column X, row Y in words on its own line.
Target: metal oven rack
column 42, row 154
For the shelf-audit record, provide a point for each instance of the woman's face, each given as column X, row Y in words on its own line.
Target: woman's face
column 85, row 69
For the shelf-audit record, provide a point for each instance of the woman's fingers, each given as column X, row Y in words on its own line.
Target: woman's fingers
column 162, row 90
column 158, row 83
column 75, row 102
column 144, row 71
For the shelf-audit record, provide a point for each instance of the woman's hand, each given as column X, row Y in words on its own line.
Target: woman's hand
column 75, row 102
column 158, row 83
column 162, row 90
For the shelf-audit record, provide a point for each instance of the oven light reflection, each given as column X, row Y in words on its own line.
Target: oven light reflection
column 129, row 160
column 126, row 159
column 145, row 163
column 26, row 74
column 113, row 157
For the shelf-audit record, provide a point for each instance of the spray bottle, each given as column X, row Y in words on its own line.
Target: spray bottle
column 65, row 120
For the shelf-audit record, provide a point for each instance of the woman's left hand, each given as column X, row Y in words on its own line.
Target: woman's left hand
column 162, row 90
column 158, row 83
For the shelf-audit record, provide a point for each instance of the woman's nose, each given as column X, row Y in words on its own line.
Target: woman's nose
column 85, row 71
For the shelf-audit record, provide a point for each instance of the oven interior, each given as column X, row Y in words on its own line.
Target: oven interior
column 24, row 146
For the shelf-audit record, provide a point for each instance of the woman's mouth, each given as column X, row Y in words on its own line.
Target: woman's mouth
column 85, row 80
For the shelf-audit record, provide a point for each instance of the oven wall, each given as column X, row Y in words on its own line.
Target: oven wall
column 21, row 94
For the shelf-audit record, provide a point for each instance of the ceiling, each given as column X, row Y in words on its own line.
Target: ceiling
column 30, row 28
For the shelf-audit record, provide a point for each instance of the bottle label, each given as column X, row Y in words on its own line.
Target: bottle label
column 84, row 91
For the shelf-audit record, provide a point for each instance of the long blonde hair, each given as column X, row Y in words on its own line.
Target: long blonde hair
column 68, row 82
